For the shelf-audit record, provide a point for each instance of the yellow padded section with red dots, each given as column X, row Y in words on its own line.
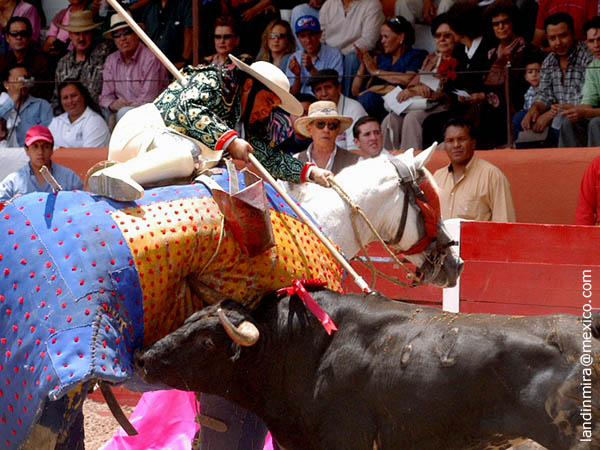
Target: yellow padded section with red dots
column 184, row 260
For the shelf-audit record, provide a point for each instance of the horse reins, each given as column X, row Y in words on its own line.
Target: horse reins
column 357, row 211
column 408, row 182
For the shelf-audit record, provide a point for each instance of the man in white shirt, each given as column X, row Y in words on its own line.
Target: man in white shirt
column 326, row 86
column 368, row 137
column 421, row 11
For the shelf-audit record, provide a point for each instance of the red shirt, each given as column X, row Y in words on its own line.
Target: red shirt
column 580, row 10
column 588, row 203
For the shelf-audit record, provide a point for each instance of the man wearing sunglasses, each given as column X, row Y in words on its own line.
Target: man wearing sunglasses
column 323, row 124
column 19, row 36
column 325, row 85
column 86, row 61
column 132, row 75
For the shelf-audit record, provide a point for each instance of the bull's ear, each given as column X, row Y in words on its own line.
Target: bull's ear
column 424, row 157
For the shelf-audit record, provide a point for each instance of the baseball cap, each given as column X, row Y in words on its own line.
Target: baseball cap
column 308, row 23
column 38, row 133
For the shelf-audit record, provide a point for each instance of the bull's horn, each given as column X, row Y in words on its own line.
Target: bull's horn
column 245, row 334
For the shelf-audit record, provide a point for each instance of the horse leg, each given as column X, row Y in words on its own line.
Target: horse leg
column 72, row 434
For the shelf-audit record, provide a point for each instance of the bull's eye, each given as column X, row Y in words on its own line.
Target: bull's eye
column 208, row 344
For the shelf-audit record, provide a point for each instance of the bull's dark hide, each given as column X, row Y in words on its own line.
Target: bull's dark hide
column 395, row 375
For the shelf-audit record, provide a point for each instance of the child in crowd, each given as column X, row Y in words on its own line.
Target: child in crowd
column 532, row 76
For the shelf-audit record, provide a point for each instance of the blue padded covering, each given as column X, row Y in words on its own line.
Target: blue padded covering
column 70, row 297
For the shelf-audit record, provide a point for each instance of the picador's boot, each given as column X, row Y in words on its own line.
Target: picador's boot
column 173, row 156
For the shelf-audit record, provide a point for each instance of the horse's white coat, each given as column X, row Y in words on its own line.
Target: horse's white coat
column 372, row 184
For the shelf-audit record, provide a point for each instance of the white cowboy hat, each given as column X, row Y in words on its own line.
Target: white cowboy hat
column 117, row 22
column 80, row 21
column 322, row 110
column 275, row 80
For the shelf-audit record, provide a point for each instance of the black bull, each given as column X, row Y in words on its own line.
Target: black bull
column 395, row 375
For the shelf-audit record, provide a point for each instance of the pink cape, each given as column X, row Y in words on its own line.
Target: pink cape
column 162, row 431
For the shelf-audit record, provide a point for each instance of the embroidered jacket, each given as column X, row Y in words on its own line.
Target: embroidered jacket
column 208, row 109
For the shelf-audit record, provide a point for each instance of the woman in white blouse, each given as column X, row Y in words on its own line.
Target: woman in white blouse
column 80, row 125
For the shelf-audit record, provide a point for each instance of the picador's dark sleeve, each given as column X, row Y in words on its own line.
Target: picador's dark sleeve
column 279, row 164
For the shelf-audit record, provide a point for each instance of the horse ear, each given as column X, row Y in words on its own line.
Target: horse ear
column 424, row 157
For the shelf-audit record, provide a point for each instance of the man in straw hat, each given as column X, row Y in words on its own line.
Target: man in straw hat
column 132, row 75
column 86, row 62
column 189, row 127
column 323, row 123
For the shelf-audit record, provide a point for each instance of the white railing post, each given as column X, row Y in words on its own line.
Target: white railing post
column 451, row 296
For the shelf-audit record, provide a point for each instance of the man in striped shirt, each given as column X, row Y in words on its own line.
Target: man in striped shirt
column 561, row 78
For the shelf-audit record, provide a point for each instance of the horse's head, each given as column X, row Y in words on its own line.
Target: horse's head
column 425, row 242
column 399, row 197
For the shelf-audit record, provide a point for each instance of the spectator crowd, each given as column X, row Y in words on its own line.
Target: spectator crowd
column 511, row 73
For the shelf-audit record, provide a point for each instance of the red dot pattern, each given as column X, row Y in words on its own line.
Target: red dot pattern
column 173, row 240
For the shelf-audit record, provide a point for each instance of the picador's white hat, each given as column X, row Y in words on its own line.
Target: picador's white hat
column 275, row 80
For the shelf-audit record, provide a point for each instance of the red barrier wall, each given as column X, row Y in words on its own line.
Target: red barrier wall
column 79, row 159
column 427, row 295
column 521, row 269
column 544, row 182
column 527, row 268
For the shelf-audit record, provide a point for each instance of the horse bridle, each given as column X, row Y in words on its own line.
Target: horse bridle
column 409, row 182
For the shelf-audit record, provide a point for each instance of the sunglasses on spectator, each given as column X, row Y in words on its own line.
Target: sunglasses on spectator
column 276, row 35
column 331, row 125
column 124, row 32
column 497, row 23
column 23, row 33
column 442, row 35
column 223, row 36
